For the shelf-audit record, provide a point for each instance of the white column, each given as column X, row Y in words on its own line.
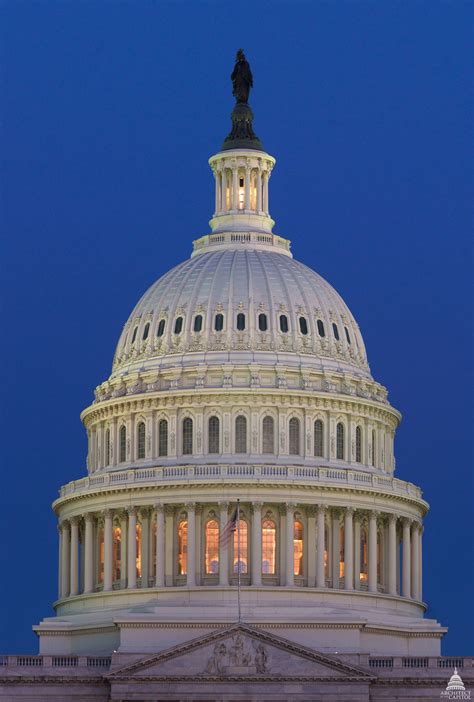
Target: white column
column 311, row 546
column 420, row 583
column 65, row 553
column 108, row 550
column 265, row 192
column 217, row 177
column 336, row 548
column 160, row 546
column 392, row 554
column 74, row 557
column 372, row 565
column 89, row 552
column 132, row 549
column 320, row 519
column 191, row 563
column 223, row 190
column 247, row 187
column 256, row 572
column 406, row 575
column 348, row 549
column 235, row 188
column 259, row 190
column 145, row 545
column 123, row 549
column 357, row 551
column 290, row 548
column 415, row 562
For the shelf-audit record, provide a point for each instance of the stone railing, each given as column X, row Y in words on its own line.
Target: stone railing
column 256, row 238
column 245, row 472
column 53, row 664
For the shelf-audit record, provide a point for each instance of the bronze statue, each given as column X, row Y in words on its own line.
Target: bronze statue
column 241, row 77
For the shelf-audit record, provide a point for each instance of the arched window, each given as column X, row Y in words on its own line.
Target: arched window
column 335, row 331
column 303, row 325
column 197, row 323
column 358, row 445
column 283, row 323
column 268, row 547
column 161, row 328
column 212, row 547
column 347, row 335
column 107, row 447
column 178, row 325
column 298, row 548
column 318, row 438
column 242, row 530
column 240, row 321
column 123, row 444
column 321, row 330
column 268, row 435
column 294, row 436
column 374, row 446
column 183, row 547
column 219, row 322
column 340, row 441
column 146, row 331
column 134, row 335
column 213, row 427
column 262, row 322
column 187, row 436
column 141, row 440
column 117, row 553
column 163, row 437
column 241, row 434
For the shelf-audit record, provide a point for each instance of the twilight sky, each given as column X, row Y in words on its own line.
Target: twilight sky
column 109, row 112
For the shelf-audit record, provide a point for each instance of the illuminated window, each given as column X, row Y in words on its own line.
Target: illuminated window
column 335, row 331
column 219, row 322
column 303, row 325
column 182, row 547
column 320, row 325
column 178, row 325
column 294, row 427
column 241, row 434
column 187, row 436
column 283, row 323
column 212, row 547
column 262, row 322
column 318, row 438
column 253, row 190
column 358, row 445
column 107, row 447
column 298, row 548
column 268, row 547
column 243, row 530
column 141, row 440
column 123, row 444
column 241, row 194
column 134, row 336
column 347, row 335
column 228, row 199
column 373, row 447
column 268, row 438
column 117, row 554
column 161, row 328
column 146, row 331
column 340, row 441
column 213, row 427
column 341, row 552
column 197, row 323
column 163, row 437
column 240, row 321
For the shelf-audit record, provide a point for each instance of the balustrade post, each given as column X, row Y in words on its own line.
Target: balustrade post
column 132, row 549
column 108, row 549
column 160, row 546
column 256, row 572
column 320, row 546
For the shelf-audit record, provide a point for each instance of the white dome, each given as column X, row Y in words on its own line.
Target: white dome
column 251, row 282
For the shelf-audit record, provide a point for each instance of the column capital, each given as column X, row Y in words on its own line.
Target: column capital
column 190, row 506
column 256, row 506
column 75, row 520
column 63, row 524
column 121, row 514
column 89, row 517
column 349, row 511
column 144, row 512
column 374, row 514
column 108, row 513
column 416, row 525
column 311, row 510
column 392, row 518
column 223, row 506
column 290, row 507
column 407, row 521
column 132, row 511
column 169, row 510
column 321, row 508
column 159, row 507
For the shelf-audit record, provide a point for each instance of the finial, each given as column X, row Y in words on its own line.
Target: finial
column 242, row 135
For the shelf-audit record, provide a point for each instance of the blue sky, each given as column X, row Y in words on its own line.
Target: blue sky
column 109, row 112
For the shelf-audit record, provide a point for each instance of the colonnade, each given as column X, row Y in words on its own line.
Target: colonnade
column 342, row 548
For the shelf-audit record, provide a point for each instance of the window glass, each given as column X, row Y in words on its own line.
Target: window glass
column 141, row 440
column 241, row 434
column 268, row 438
column 303, row 325
column 178, row 325
column 321, row 330
column 335, row 331
column 183, row 547
column 107, row 447
column 187, row 436
column 318, row 438
column 374, row 445
column 358, row 445
column 163, row 437
column 219, row 322
column 240, row 321
column 211, row 556
column 213, row 435
column 347, row 335
column 161, row 328
column 198, row 323
column 268, row 547
column 298, row 548
column 294, row 436
column 262, row 322
column 340, row 441
column 134, row 336
column 283, row 323
column 146, row 331
column 123, row 443
column 242, row 528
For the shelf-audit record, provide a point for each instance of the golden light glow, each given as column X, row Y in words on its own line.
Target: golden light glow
column 212, row 547
column 182, row 547
column 298, row 548
column 268, row 547
column 243, row 548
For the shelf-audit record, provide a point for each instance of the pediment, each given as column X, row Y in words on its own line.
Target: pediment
column 239, row 651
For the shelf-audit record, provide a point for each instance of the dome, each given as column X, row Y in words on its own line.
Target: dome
column 245, row 302
column 455, row 682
